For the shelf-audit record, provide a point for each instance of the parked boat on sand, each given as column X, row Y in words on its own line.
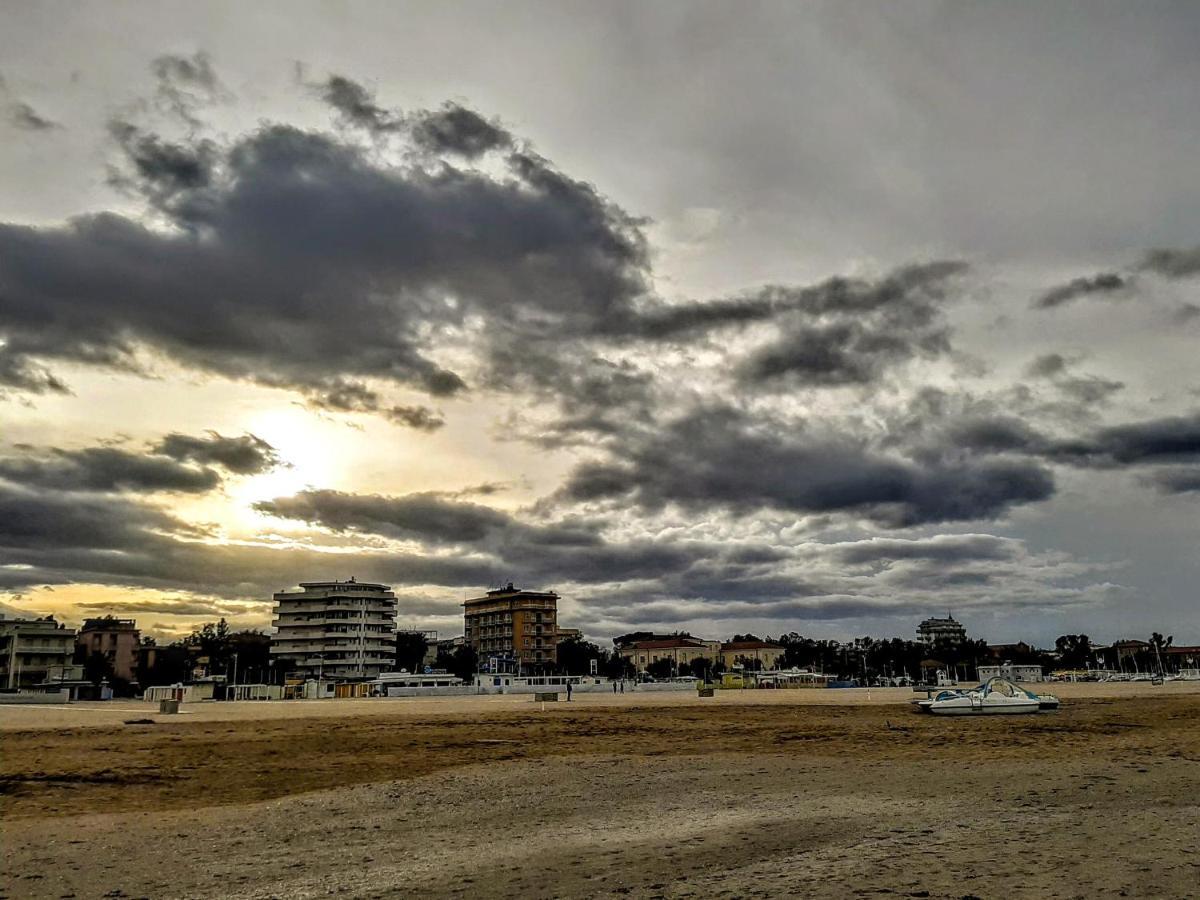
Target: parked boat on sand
column 996, row 696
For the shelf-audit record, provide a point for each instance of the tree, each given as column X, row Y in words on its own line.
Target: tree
column 462, row 662
column 701, row 668
column 411, row 647
column 253, row 652
column 661, row 668
column 575, row 656
column 1074, row 651
column 97, row 668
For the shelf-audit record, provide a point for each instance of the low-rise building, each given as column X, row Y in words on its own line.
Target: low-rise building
column 36, row 651
column 755, row 655
column 117, row 640
column 1013, row 672
column 680, row 650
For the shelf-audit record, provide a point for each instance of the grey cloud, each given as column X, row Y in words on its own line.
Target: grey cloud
column 1154, row 441
column 850, row 332
column 1172, row 263
column 941, row 549
column 906, row 297
column 1048, row 365
column 25, row 376
column 421, row 516
column 50, row 522
column 720, row 457
column 1087, row 390
column 106, row 469
column 545, row 551
column 1104, row 283
column 357, row 105
column 1172, row 439
column 1090, row 390
column 1176, row 480
column 421, row 418
column 345, row 396
column 246, row 454
column 312, row 264
column 456, row 129
column 162, row 170
column 186, row 83
column 172, row 606
column 24, row 116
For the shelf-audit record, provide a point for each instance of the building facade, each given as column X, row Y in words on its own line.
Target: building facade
column 1011, row 671
column 36, row 651
column 942, row 631
column 681, row 651
column 117, row 640
column 756, row 655
column 335, row 630
column 513, row 627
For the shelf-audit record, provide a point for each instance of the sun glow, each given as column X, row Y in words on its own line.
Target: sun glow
column 310, row 457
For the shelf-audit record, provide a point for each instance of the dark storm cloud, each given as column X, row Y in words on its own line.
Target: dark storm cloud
column 1171, row 439
column 298, row 260
column 1152, row 442
column 179, row 462
column 721, row 457
column 421, row 516
column 61, row 537
column 50, row 522
column 542, row 551
column 25, row 117
column 906, row 297
column 357, row 106
column 106, row 469
column 1104, row 283
column 452, row 129
column 851, row 331
column 246, row 454
column 456, row 129
column 162, row 169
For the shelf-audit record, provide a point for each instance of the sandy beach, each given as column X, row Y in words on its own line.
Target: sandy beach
column 754, row 793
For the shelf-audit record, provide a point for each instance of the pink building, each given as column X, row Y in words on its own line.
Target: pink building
column 116, row 639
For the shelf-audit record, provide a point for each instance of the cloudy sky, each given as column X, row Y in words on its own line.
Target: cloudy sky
column 726, row 317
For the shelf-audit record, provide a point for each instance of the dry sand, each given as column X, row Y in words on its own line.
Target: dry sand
column 755, row 794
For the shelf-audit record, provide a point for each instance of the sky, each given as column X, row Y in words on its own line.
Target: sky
column 724, row 318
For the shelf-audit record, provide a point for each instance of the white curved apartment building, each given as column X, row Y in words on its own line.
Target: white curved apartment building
column 335, row 629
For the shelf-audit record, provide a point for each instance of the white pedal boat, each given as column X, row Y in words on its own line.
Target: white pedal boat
column 996, row 696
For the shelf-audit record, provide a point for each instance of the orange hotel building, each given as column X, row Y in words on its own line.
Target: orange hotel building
column 510, row 624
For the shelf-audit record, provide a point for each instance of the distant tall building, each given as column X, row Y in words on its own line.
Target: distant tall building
column 36, row 651
column 335, row 629
column 519, row 628
column 115, row 639
column 942, row 631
